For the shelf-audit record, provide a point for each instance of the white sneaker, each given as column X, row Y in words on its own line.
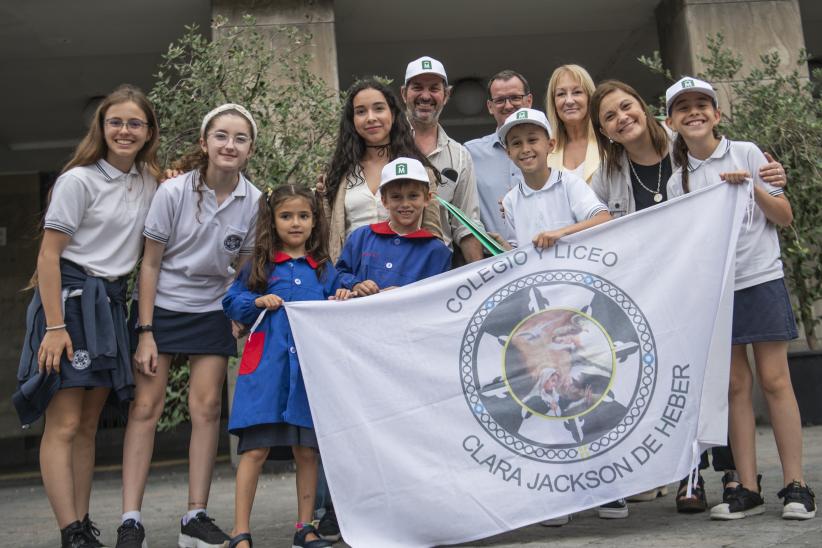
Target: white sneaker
column 557, row 521
column 649, row 495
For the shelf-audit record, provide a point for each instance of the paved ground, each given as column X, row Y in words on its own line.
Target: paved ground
column 27, row 520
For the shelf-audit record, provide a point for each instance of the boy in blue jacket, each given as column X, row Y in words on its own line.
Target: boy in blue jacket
column 395, row 252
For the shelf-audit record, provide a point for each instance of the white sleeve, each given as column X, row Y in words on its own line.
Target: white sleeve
column 583, row 201
column 508, row 206
column 69, row 201
column 160, row 218
column 756, row 159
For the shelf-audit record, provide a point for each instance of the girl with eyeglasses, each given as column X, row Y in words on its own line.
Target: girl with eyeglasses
column 198, row 231
column 76, row 347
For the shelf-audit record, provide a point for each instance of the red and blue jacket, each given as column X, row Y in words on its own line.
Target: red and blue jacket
column 270, row 387
column 379, row 254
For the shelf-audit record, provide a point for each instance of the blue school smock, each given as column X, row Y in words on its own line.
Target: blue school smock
column 270, row 387
column 379, row 254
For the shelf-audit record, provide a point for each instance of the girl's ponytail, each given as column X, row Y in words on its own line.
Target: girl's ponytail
column 680, row 155
column 263, row 244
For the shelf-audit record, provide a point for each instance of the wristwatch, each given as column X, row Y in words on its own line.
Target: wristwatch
column 147, row 328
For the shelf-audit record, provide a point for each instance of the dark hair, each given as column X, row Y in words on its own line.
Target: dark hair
column 350, row 148
column 506, row 75
column 197, row 158
column 93, row 146
column 268, row 242
column 611, row 151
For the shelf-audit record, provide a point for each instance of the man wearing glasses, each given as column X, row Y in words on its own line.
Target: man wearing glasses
column 496, row 174
column 425, row 93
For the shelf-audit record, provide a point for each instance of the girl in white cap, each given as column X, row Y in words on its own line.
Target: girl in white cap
column 76, row 347
column 762, row 313
column 199, row 228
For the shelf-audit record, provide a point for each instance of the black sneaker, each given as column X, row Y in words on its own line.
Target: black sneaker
column 92, row 532
column 74, row 535
column 328, row 527
column 131, row 534
column 799, row 501
column 738, row 502
column 201, row 532
column 617, row 509
column 301, row 542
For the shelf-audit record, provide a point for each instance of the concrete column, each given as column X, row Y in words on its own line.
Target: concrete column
column 313, row 16
column 750, row 28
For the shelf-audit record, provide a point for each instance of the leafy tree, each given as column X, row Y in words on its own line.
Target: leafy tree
column 295, row 110
column 780, row 113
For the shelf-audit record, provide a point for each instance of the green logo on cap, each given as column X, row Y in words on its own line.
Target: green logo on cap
column 687, row 83
column 402, row 169
column 426, row 65
column 521, row 115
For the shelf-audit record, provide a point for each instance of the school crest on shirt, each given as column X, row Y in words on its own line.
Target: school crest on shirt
column 558, row 366
column 81, row 360
column 232, row 242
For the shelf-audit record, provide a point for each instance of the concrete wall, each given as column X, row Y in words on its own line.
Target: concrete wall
column 19, row 214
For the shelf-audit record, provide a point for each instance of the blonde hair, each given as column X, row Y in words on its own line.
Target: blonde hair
column 582, row 78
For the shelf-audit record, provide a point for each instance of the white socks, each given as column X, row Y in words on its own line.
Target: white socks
column 135, row 515
column 191, row 514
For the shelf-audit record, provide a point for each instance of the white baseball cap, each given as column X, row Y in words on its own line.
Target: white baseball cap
column 403, row 169
column 686, row 84
column 425, row 65
column 524, row 116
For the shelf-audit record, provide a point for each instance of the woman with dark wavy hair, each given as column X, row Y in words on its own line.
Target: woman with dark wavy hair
column 373, row 131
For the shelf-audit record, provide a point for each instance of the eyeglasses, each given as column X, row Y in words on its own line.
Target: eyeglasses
column 222, row 138
column 133, row 124
column 515, row 100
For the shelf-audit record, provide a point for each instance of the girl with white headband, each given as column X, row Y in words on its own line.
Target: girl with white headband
column 198, row 231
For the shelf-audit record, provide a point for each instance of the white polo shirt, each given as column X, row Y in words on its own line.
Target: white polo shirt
column 564, row 199
column 201, row 242
column 757, row 250
column 103, row 210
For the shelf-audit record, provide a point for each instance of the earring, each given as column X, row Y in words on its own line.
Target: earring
column 610, row 140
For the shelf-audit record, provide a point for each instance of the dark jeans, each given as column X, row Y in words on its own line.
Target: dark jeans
column 323, row 499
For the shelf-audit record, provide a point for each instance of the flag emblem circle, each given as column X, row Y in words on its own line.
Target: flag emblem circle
column 558, row 366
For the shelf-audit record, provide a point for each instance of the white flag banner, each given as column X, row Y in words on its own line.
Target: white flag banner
column 529, row 385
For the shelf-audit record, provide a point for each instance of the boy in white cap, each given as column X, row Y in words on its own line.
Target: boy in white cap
column 425, row 94
column 550, row 203
column 395, row 252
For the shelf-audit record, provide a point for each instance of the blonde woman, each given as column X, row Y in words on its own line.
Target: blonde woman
column 566, row 102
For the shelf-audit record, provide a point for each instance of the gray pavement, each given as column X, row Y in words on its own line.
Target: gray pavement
column 27, row 519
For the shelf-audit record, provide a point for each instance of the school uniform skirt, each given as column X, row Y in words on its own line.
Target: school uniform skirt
column 187, row 333
column 763, row 313
column 280, row 437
